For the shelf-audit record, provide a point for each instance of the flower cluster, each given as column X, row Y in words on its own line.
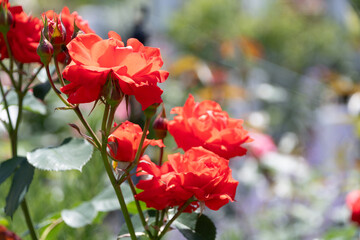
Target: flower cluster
column 210, row 138
column 198, row 173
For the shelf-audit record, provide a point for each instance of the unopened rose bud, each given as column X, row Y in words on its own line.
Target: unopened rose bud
column 6, row 19
column 58, row 37
column 160, row 127
column 45, row 50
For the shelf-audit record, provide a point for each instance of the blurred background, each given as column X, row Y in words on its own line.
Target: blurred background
column 289, row 68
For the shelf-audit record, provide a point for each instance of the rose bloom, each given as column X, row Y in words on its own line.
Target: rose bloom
column 353, row 203
column 23, row 36
column 5, row 234
column 135, row 68
column 125, row 140
column 68, row 19
column 198, row 173
column 205, row 124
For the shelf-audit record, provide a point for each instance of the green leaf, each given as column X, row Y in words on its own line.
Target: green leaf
column 8, row 167
column 32, row 104
column 79, row 216
column 339, row 233
column 195, row 226
column 138, row 227
column 19, row 187
column 106, row 201
column 41, row 90
column 132, row 209
column 71, row 154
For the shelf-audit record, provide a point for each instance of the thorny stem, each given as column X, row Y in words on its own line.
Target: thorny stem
column 138, row 207
column 9, row 52
column 161, row 155
column 180, row 210
column 13, row 134
column 75, row 108
column 111, row 176
column 10, row 126
column 58, row 71
column 31, row 80
column 56, row 90
column 29, row 223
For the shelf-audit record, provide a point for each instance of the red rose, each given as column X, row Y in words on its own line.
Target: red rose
column 23, row 37
column 124, row 142
column 353, row 203
column 68, row 19
column 94, row 60
column 5, row 234
column 205, row 124
column 199, row 173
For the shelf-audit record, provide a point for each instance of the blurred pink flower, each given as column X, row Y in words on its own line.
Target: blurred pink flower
column 261, row 145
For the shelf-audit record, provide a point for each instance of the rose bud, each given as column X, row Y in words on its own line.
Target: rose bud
column 45, row 50
column 58, row 36
column 160, row 125
column 6, row 19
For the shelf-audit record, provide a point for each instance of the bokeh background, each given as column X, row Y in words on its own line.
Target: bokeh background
column 289, row 68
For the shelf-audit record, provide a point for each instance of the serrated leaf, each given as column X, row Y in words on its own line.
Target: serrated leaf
column 71, row 154
column 19, row 187
column 195, row 227
column 8, row 167
column 80, row 216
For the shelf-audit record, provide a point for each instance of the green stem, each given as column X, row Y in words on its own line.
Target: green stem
column 181, row 209
column 31, row 80
column 58, row 71
column 87, row 126
column 4, row 68
column 9, row 51
column 111, row 176
column 29, row 223
column 57, row 92
column 161, row 155
column 50, row 228
column 10, row 126
column 157, row 215
column 75, row 108
column 138, row 152
column 14, row 143
column 141, row 215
